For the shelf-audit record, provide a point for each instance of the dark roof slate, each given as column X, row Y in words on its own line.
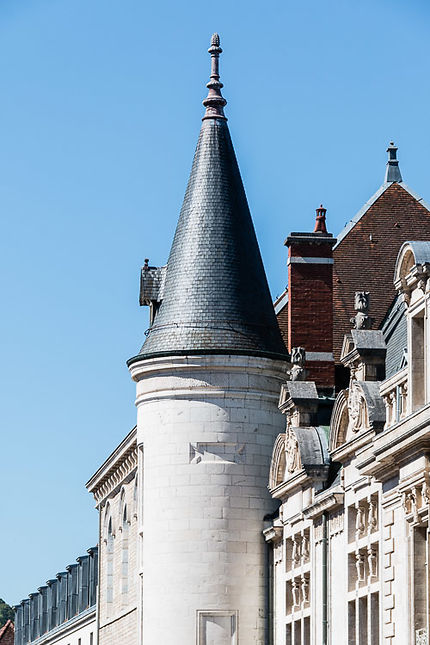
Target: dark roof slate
column 394, row 328
column 216, row 297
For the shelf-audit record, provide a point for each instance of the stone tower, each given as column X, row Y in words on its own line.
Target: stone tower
column 208, row 379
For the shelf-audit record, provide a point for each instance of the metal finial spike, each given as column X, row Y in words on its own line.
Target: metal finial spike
column 214, row 102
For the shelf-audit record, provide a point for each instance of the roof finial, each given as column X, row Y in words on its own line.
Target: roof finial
column 393, row 171
column 214, row 102
column 320, row 226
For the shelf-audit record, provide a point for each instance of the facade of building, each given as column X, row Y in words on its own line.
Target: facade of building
column 62, row 612
column 214, row 380
column 275, row 489
column 116, row 492
column 350, row 544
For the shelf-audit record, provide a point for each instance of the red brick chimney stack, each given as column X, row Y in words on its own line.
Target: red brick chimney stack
column 310, row 299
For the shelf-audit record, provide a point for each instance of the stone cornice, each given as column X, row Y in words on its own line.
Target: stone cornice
column 119, row 466
column 294, row 481
column 399, row 442
column 348, row 450
column 326, row 502
column 273, row 533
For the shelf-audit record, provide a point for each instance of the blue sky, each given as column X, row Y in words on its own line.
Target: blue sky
column 100, row 111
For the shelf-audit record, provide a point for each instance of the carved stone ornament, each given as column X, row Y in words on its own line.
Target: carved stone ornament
column 295, row 556
column 356, row 409
column 292, row 452
column 421, row 636
column 359, row 565
column 305, row 589
column 298, row 371
column 296, row 594
column 425, row 494
column 372, row 560
column 360, row 524
column 373, row 517
column 362, row 320
column 305, row 549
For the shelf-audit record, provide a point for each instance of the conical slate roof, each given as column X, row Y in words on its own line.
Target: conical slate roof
column 216, row 298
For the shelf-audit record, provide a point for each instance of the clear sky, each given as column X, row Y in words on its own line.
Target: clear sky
column 99, row 114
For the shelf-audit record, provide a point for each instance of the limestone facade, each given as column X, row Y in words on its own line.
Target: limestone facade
column 350, row 545
column 115, row 489
column 208, row 424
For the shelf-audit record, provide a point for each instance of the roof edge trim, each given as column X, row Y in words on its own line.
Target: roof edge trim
column 210, row 352
column 363, row 210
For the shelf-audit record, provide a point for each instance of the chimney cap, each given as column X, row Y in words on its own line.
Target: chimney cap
column 320, row 226
column 392, row 173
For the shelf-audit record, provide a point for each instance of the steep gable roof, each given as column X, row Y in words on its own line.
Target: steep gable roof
column 366, row 253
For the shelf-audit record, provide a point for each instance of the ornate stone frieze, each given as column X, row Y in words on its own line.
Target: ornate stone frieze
column 119, row 473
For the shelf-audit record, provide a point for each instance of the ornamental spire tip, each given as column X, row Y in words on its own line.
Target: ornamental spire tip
column 214, row 102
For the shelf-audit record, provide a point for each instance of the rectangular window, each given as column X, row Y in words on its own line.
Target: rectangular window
column 218, row 627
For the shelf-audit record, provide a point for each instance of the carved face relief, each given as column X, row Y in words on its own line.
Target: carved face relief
column 292, row 452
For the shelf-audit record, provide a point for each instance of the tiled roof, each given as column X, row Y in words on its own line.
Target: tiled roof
column 7, row 633
column 363, row 210
column 216, row 297
column 365, row 257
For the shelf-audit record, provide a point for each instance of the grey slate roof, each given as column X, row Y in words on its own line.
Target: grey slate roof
column 394, row 328
column 313, row 446
column 421, row 251
column 216, row 298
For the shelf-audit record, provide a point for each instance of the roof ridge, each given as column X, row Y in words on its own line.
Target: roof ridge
column 7, row 624
column 363, row 210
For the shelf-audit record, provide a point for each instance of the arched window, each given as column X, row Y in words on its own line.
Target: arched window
column 124, row 554
column 135, row 495
column 109, row 539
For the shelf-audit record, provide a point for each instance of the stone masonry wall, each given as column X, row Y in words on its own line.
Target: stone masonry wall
column 208, row 424
column 118, row 616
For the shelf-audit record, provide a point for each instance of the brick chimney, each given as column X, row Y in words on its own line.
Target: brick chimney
column 310, row 299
